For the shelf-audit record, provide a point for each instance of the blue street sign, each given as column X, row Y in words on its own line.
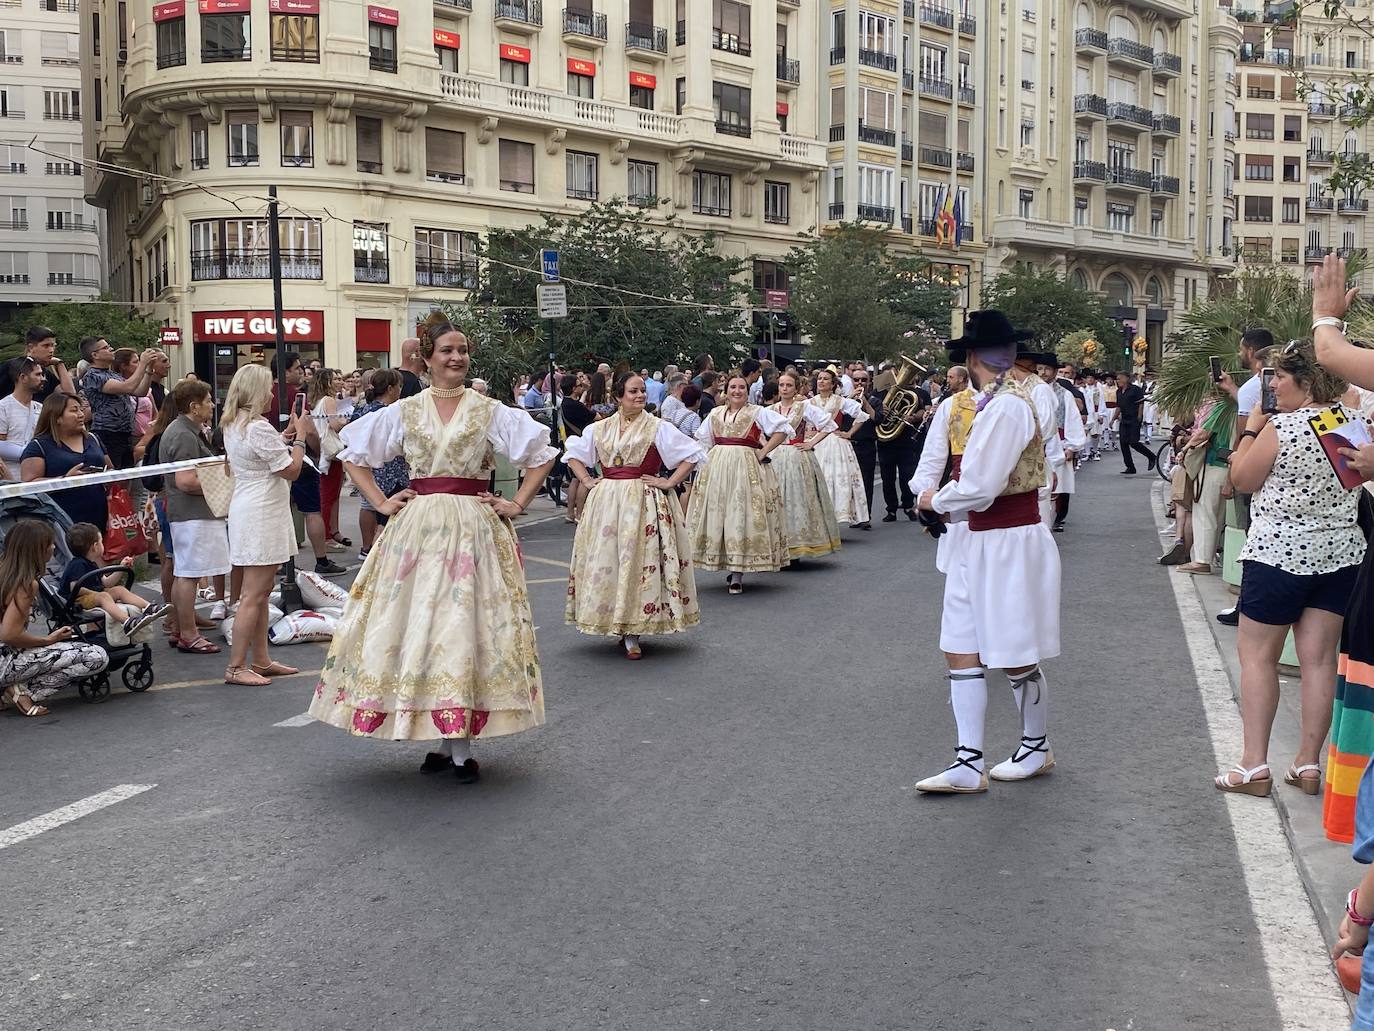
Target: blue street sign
column 548, row 264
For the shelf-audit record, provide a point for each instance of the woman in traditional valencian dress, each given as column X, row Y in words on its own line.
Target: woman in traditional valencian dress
column 811, row 526
column 631, row 571
column 839, row 465
column 436, row 641
column 735, row 513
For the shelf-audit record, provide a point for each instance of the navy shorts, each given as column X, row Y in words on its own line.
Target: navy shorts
column 1271, row 595
column 164, row 527
column 305, row 491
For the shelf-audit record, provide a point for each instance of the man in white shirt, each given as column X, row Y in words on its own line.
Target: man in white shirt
column 19, row 412
column 672, row 397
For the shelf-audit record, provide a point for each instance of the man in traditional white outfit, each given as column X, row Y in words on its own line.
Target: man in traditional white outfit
column 1001, row 601
column 1047, row 415
column 1096, row 403
column 1074, row 439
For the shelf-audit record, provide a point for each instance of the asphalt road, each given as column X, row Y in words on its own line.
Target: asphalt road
column 723, row 836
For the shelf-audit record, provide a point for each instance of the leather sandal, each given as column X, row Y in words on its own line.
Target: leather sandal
column 1308, row 785
column 242, row 676
column 1248, row 784
column 274, row 669
column 21, row 701
column 197, row 646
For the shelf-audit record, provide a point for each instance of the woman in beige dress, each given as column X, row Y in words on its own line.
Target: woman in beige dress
column 631, row 570
column 436, row 640
column 839, row 464
column 736, row 513
column 811, row 526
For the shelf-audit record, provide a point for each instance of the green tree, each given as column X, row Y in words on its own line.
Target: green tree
column 72, row 320
column 637, row 290
column 1048, row 306
column 854, row 297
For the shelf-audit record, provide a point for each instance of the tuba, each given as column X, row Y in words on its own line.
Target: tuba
column 900, row 400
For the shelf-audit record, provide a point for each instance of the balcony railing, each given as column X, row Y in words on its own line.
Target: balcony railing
column 527, row 12
column 582, row 23
column 200, row 163
column 12, row 112
column 62, row 116
column 1090, row 39
column 57, row 5
column 1168, row 64
column 1166, row 125
column 1351, row 252
column 729, row 43
column 1321, row 110
column 300, row 55
column 1132, row 178
column 837, row 55
column 938, row 16
column 1090, row 104
column 1259, row 134
column 1132, row 114
column 1351, row 112
column 1130, row 50
column 1165, row 184
column 836, row 133
column 295, row 264
column 908, row 79
column 835, row 213
column 372, row 273
column 965, row 161
column 1093, row 170
column 21, row 224
column 875, row 213
column 211, row 54
column 881, row 137
column 1352, row 204
column 171, row 58
column 937, row 156
column 67, row 279
column 447, row 275
column 907, row 151
column 968, row 25
column 71, row 227
column 643, row 36
column 379, row 60
column 462, row 5
column 937, row 87
column 732, row 128
column 789, row 69
column 906, row 223
column 878, row 59
column 1321, row 204
column 243, row 160
column 968, row 95
column 1315, row 254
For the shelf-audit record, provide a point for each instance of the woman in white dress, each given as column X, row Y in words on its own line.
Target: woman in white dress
column 735, row 514
column 839, row 465
column 261, row 535
column 811, row 526
column 631, row 570
column 436, row 640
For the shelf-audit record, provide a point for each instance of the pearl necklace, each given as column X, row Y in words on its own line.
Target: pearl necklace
column 446, row 391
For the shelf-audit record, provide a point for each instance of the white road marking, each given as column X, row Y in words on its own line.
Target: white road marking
column 304, row 719
column 49, row 821
column 1306, row 992
column 546, row 561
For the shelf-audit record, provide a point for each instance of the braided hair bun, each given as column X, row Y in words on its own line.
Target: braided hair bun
column 432, row 329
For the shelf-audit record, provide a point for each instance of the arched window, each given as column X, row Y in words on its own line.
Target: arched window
column 1121, row 26
column 1078, row 280
column 1083, row 19
column 1154, row 292
column 1001, row 197
column 1161, row 43
column 1117, row 289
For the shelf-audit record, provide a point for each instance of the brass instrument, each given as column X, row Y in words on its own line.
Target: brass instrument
column 900, row 400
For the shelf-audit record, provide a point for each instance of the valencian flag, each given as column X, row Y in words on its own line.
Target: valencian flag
column 946, row 229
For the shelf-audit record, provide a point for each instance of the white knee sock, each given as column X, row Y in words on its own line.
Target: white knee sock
column 968, row 697
column 1033, row 700
column 461, row 749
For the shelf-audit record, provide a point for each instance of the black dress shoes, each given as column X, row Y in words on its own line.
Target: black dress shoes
column 891, row 517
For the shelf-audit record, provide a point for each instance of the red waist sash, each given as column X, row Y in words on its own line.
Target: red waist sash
column 956, row 464
column 1007, row 511
column 1061, row 435
column 649, row 467
column 450, row 485
column 739, row 442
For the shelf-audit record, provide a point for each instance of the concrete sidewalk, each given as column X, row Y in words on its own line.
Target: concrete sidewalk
column 1327, row 870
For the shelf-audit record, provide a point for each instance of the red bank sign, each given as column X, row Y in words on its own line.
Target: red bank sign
column 166, row 12
column 225, row 6
column 511, row 52
column 293, row 6
column 383, row 15
column 643, row 79
column 256, row 327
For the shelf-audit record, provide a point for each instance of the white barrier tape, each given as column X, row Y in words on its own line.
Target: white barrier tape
column 24, row 490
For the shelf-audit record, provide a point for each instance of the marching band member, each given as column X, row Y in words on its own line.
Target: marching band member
column 1001, row 601
column 811, row 526
column 631, row 569
column 1074, row 439
column 735, row 515
column 839, row 464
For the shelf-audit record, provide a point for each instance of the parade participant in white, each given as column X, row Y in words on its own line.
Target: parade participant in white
column 811, row 525
column 1001, row 601
column 945, row 442
column 631, row 569
column 839, row 465
column 1047, row 418
column 1073, row 438
column 1096, row 403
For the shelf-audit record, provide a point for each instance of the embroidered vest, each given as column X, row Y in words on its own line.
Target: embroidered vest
column 962, row 409
column 1029, row 472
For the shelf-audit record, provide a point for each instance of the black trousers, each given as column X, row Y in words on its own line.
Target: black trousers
column 866, row 451
column 119, row 446
column 1130, row 441
column 898, row 465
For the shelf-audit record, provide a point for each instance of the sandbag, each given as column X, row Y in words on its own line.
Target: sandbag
column 318, row 593
column 334, row 612
column 301, row 628
column 226, row 626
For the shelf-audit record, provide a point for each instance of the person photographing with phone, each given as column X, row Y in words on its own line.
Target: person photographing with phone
column 62, row 447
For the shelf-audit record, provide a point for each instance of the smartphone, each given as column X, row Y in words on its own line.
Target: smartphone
column 1215, row 361
column 298, row 405
column 1269, row 404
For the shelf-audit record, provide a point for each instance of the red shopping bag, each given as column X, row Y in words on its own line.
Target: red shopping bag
column 124, row 537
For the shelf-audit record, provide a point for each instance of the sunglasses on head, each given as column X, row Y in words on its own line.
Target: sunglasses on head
column 1291, row 346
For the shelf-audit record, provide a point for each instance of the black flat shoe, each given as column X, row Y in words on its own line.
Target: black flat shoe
column 1058, row 528
column 1231, row 618
column 865, row 525
column 891, row 517
column 911, row 514
column 436, row 762
column 468, row 773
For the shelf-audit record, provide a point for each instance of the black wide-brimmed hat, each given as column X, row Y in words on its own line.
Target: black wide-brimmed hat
column 1038, row 357
column 984, row 330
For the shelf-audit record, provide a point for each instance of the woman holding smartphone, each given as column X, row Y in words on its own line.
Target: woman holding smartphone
column 62, row 447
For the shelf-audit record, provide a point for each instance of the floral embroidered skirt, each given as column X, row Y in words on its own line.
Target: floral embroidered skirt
column 810, row 514
column 735, row 514
column 631, row 570
column 843, row 477
column 436, row 640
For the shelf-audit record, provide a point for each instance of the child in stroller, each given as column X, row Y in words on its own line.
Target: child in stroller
column 125, row 612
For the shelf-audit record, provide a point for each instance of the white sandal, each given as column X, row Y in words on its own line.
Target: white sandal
column 1307, row 785
column 1248, row 784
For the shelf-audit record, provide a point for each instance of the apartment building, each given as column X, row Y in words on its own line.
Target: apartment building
column 1295, row 122
column 1104, row 161
column 398, row 135
column 905, row 128
column 50, row 240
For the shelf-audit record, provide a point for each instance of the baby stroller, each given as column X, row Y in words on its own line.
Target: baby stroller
column 134, row 660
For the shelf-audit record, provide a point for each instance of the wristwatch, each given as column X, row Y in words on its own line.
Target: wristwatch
column 1329, row 320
